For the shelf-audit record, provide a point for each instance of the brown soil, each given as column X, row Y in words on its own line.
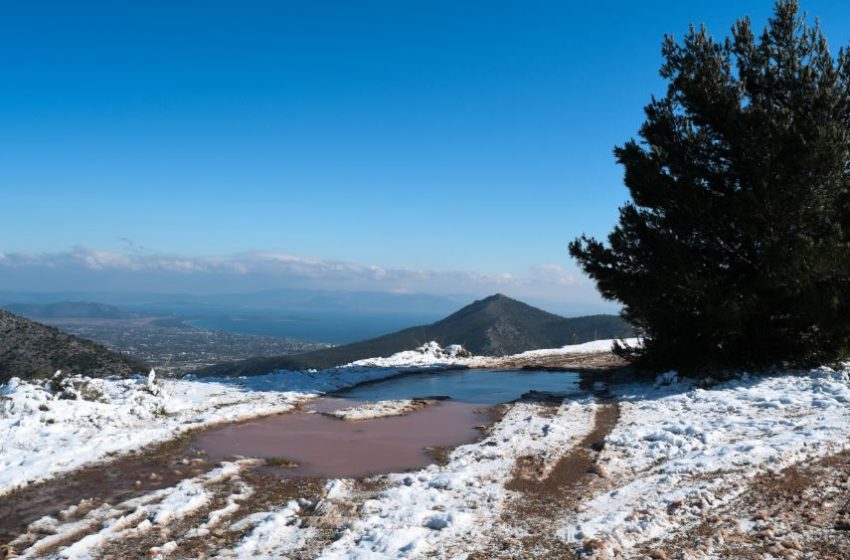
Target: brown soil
column 547, row 496
column 564, row 478
column 802, row 512
column 588, row 362
column 128, row 476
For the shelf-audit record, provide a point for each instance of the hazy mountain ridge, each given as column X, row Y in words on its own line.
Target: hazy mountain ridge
column 494, row 326
column 29, row 349
column 68, row 309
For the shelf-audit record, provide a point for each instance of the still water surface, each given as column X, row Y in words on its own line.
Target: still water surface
column 323, row 446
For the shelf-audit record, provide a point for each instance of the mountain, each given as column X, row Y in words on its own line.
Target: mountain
column 67, row 309
column 29, row 350
column 494, row 326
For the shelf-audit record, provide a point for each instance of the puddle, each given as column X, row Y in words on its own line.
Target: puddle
column 479, row 386
column 331, row 448
column 322, row 446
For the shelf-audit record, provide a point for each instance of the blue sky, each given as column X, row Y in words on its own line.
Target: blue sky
column 442, row 137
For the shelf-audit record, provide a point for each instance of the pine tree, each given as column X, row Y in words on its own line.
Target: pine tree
column 735, row 248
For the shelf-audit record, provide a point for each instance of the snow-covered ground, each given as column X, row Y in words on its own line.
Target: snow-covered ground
column 444, row 511
column 53, row 426
column 440, row 510
column 430, row 354
column 95, row 528
column 679, row 451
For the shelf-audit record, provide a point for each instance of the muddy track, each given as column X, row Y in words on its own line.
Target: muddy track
column 164, row 466
column 563, row 480
column 135, row 474
column 547, row 495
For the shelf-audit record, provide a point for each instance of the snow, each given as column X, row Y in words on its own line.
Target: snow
column 274, row 534
column 378, row 409
column 430, row 354
column 445, row 510
column 593, row 347
column 107, row 523
column 680, row 450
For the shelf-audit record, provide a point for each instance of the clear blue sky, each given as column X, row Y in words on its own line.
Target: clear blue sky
column 472, row 135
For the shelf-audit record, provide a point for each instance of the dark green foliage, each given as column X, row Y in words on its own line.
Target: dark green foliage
column 734, row 250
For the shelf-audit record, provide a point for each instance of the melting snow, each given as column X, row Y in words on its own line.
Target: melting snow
column 679, row 449
column 61, row 424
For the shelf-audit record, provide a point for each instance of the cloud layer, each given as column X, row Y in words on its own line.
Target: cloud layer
column 85, row 268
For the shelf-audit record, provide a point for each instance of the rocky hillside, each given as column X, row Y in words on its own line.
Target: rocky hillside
column 29, row 349
column 494, row 326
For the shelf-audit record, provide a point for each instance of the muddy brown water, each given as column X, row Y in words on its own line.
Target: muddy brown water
column 327, row 447
column 321, row 446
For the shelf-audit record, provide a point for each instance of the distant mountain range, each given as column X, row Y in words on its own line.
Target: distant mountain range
column 494, row 326
column 296, row 301
column 31, row 350
column 68, row 310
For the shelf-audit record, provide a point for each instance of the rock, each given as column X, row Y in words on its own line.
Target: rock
column 599, row 471
column 843, row 524
column 437, row 522
column 593, row 544
column 790, row 544
column 776, row 550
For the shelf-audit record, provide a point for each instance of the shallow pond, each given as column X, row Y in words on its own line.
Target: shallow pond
column 323, row 446
column 478, row 386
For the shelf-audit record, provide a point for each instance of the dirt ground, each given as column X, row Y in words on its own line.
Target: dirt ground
column 602, row 362
column 802, row 512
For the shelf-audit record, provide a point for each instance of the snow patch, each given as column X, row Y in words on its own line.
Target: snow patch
column 592, row 347
column 446, row 510
column 680, row 450
column 274, row 534
column 379, row 409
column 430, row 354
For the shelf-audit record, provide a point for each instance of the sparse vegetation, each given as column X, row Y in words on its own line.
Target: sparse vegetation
column 31, row 350
column 281, row 462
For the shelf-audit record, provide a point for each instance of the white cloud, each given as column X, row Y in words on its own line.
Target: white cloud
column 556, row 274
column 262, row 270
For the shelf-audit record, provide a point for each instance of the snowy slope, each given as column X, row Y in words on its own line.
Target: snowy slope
column 680, row 451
